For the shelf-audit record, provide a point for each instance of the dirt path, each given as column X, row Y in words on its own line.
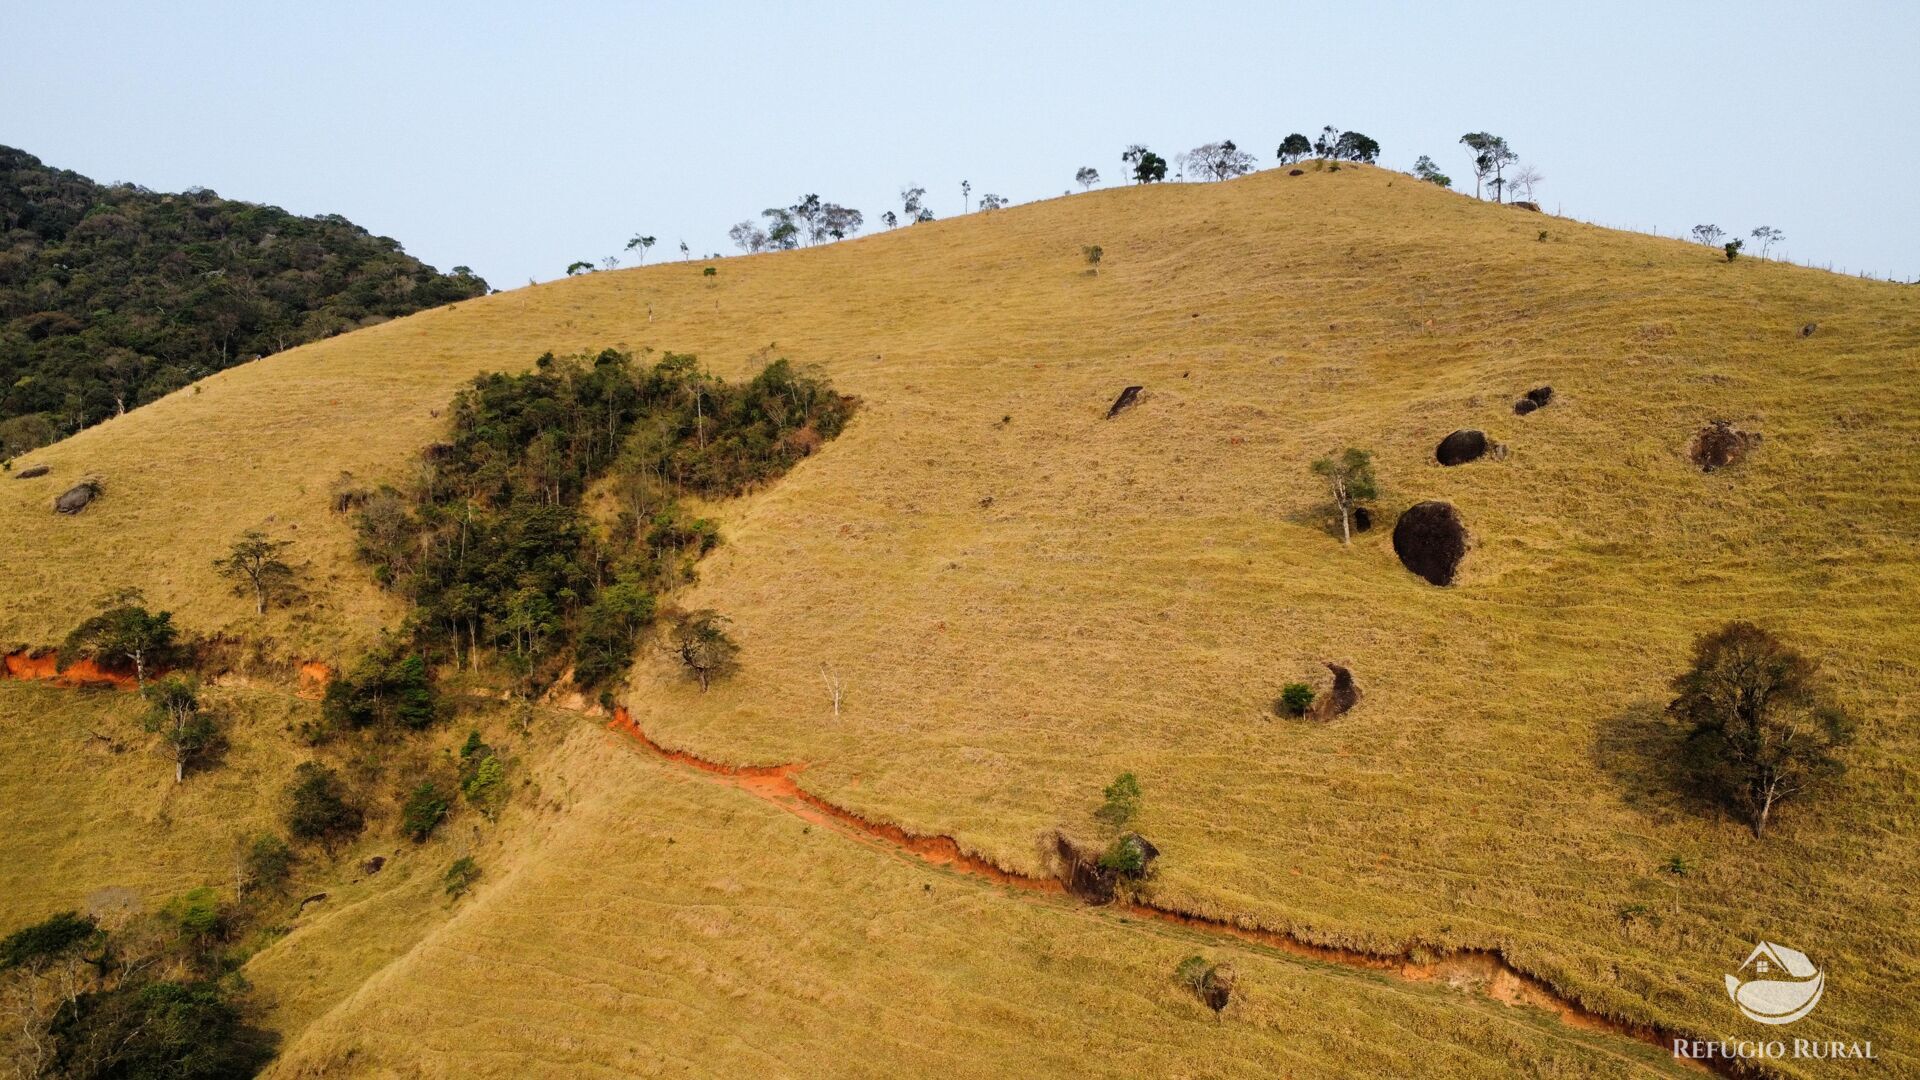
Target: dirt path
column 1481, row 971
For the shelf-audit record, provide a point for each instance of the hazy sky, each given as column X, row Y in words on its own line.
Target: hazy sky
column 517, row 137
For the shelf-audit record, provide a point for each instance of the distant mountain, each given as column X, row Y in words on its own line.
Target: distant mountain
column 112, row 296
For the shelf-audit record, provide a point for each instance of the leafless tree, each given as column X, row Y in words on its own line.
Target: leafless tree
column 1524, row 181
column 836, row 687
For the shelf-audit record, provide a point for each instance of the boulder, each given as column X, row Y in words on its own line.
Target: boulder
column 1525, row 205
column 1431, row 540
column 1362, row 519
column 1344, row 695
column 32, row 471
column 1462, row 446
column 1720, row 444
column 76, row 498
column 1127, row 399
column 1807, row 330
column 1535, row 398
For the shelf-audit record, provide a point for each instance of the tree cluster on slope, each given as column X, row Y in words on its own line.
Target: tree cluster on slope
column 498, row 554
column 113, row 296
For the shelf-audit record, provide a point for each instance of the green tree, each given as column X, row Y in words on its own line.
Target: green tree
column 174, row 711
column 1353, row 146
column 1426, row 170
column 1491, row 156
column 1760, row 727
column 1145, row 165
column 699, row 639
column 641, row 244
column 425, row 808
column 1293, row 148
column 176, row 1031
column 1086, row 176
column 1122, row 801
column 254, row 564
column 486, row 785
column 317, row 807
column 266, row 864
column 461, row 876
column 1350, row 480
column 123, row 631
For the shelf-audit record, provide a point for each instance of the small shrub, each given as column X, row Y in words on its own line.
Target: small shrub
column 1212, row 983
column 317, row 806
column 423, row 812
column 486, row 786
column 1542, row 237
column 1122, row 801
column 1678, row 866
column 1125, row 858
column 197, row 915
column 268, row 863
column 1295, row 699
column 1732, row 248
column 1093, row 254
column 461, row 876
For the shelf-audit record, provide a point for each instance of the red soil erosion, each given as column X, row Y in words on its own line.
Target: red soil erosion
column 44, row 666
column 314, row 677
column 1484, row 971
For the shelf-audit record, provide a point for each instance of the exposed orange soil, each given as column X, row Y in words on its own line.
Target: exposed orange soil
column 44, row 666
column 1482, row 971
column 314, row 677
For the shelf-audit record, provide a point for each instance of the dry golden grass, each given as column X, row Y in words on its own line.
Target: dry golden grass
column 1138, row 590
column 679, row 927
column 81, row 819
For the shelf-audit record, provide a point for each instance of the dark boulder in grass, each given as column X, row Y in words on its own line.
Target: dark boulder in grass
column 1720, row 444
column 1344, row 695
column 1523, row 204
column 1536, row 398
column 32, row 471
column 77, row 498
column 1362, row 519
column 1461, row 447
column 1431, row 540
column 1128, row 399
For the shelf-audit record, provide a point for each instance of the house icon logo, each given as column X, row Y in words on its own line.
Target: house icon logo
column 1781, row 985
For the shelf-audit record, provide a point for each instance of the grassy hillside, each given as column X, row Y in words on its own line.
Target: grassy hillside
column 676, row 927
column 1025, row 598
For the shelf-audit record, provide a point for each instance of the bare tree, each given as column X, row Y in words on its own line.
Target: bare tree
column 1768, row 236
column 1708, row 234
column 836, row 687
column 1525, row 179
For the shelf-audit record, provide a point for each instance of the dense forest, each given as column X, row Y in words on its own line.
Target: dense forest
column 498, row 545
column 112, row 296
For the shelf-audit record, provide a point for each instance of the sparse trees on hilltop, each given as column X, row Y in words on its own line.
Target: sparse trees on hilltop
column 1220, row 160
column 1293, row 148
column 1767, row 236
column 1147, row 166
column 641, row 244
column 1491, row 156
column 748, row 237
column 990, row 201
column 1761, row 729
column 1708, row 234
column 1326, row 142
column 579, row 266
column 1525, row 179
column 1426, row 170
column 890, row 219
column 912, row 207
column 966, row 191
column 1086, row 177
column 1353, row 146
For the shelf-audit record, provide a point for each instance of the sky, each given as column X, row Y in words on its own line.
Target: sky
column 518, row 138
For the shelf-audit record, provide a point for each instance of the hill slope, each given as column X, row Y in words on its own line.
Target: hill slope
column 112, row 296
column 1025, row 598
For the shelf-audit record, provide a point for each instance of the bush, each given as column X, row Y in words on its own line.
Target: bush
column 317, row 806
column 1295, row 699
column 461, row 876
column 486, row 785
column 268, row 863
column 423, row 812
column 197, row 915
column 36, row 945
column 700, row 641
column 1122, row 801
column 1126, row 857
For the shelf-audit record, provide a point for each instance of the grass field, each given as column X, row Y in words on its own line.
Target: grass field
column 1025, row 598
